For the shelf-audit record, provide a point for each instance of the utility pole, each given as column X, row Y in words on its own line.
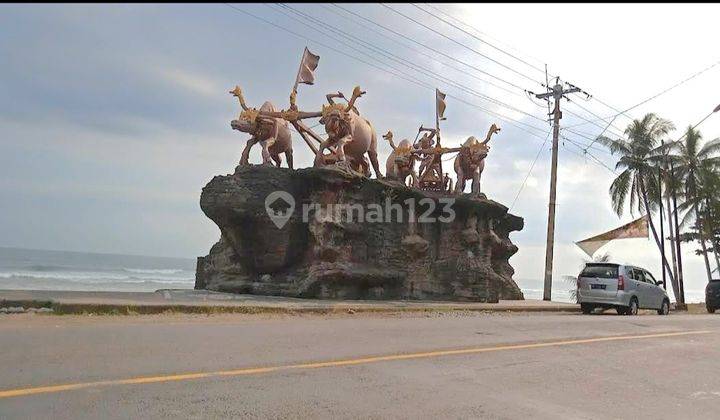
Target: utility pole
column 556, row 93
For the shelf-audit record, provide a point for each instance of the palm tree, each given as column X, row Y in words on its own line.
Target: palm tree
column 661, row 158
column 714, row 219
column 671, row 186
column 697, row 166
column 637, row 177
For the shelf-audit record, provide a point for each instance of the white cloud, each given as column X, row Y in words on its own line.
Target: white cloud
column 194, row 83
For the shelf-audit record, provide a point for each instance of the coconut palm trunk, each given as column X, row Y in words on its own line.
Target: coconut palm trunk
column 678, row 242
column 674, row 280
column 701, row 231
column 643, row 192
column 713, row 241
column 717, row 256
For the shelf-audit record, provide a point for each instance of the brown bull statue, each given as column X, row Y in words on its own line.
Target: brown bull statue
column 401, row 161
column 272, row 133
column 470, row 161
column 352, row 135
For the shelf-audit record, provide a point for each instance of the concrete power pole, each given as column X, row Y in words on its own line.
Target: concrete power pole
column 556, row 93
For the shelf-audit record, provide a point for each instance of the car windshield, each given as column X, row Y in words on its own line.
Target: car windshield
column 600, row 271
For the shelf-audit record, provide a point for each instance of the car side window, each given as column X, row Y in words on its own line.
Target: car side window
column 650, row 279
column 632, row 273
column 640, row 276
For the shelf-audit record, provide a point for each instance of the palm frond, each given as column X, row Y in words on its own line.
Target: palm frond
column 619, row 190
column 710, row 149
column 692, row 140
column 616, row 146
column 688, row 218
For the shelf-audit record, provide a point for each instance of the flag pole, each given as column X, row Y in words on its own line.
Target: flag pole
column 437, row 119
column 441, row 175
column 293, row 94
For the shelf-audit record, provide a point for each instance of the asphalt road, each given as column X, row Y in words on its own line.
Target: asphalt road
column 360, row 366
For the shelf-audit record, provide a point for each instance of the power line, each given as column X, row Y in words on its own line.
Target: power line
column 467, row 25
column 460, row 44
column 441, row 78
column 478, row 38
column 415, row 50
column 425, row 26
column 522, row 186
column 400, row 60
column 593, row 157
column 650, row 99
column 587, row 120
column 449, row 57
column 664, row 91
column 316, row 42
column 537, row 156
column 587, row 137
column 575, row 114
column 509, row 120
column 613, row 108
column 460, row 21
column 517, row 124
column 594, row 115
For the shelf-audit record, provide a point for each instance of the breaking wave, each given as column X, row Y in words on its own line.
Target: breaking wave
column 154, row 270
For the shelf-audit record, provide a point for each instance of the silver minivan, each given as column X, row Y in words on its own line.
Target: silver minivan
column 623, row 287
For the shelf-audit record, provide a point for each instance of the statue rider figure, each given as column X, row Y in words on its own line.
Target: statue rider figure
column 427, row 141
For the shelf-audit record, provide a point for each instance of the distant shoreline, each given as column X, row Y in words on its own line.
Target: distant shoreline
column 17, row 248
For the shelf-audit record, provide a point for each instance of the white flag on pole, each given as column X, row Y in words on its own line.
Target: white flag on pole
column 308, row 64
column 440, row 99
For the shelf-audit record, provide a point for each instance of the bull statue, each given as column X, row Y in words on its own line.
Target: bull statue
column 401, row 162
column 352, row 135
column 272, row 133
column 470, row 161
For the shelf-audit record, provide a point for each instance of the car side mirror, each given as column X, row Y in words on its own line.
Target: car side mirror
column 660, row 283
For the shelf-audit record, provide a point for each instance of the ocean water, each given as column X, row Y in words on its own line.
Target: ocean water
column 26, row 269
column 533, row 289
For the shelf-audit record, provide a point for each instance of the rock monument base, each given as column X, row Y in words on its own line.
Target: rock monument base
column 341, row 255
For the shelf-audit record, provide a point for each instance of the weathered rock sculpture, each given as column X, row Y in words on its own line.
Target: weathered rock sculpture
column 401, row 161
column 335, row 257
column 338, row 234
column 272, row 133
column 470, row 161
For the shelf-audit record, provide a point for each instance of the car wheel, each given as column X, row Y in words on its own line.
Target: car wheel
column 710, row 309
column 665, row 308
column 633, row 308
column 621, row 310
column 586, row 308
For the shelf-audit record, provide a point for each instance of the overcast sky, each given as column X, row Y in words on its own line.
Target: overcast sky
column 113, row 117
